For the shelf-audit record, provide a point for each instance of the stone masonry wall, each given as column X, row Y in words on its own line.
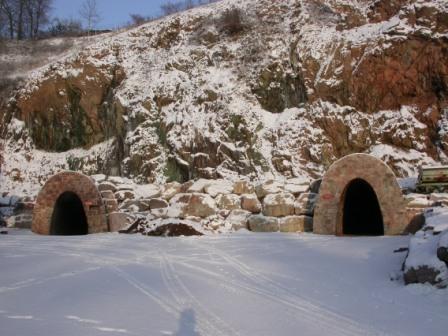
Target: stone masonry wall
column 112, row 203
column 329, row 207
column 82, row 186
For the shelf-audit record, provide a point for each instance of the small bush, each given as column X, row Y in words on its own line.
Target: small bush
column 232, row 21
column 174, row 173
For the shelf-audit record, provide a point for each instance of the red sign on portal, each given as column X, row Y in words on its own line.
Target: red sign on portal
column 327, row 197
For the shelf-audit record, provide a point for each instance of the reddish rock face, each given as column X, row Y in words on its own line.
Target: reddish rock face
column 411, row 72
column 67, row 110
column 382, row 10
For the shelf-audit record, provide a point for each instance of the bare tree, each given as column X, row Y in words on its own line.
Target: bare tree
column 188, row 4
column 20, row 10
column 24, row 17
column 89, row 12
column 171, row 7
column 65, row 27
column 204, row 2
column 137, row 19
column 37, row 15
column 2, row 24
column 8, row 9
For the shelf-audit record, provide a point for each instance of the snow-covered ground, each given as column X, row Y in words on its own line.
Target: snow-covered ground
column 240, row 284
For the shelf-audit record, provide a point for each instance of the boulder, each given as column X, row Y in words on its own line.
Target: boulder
column 157, row 203
column 223, row 213
column 10, row 222
column 23, row 214
column 304, row 205
column 251, row 203
column 199, row 186
column 170, row 190
column 106, row 185
column 174, row 229
column 119, row 221
column 123, row 195
column 417, row 201
column 99, row 178
column 238, row 219
column 416, row 221
column 228, row 201
column 22, row 221
column 442, row 254
column 296, row 189
column 442, row 249
column 268, row 187
column 296, row 224
column 422, row 264
column 422, row 274
column 107, row 194
column 260, row 223
column 119, row 180
column 243, row 187
column 196, row 205
column 147, row 191
column 297, row 186
column 121, row 187
column 278, row 205
column 440, row 198
column 185, row 186
column 216, row 187
column 135, row 205
column 159, row 212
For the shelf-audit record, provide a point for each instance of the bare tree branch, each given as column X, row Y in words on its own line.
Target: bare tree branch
column 89, row 12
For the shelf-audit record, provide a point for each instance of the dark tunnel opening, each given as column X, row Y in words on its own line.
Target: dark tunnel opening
column 68, row 217
column 362, row 213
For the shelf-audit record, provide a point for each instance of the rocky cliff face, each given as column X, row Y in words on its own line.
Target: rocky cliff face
column 285, row 91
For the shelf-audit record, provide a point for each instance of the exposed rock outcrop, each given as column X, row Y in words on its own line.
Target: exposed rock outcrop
column 180, row 98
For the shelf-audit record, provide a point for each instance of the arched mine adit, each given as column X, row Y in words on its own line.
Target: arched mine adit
column 361, row 211
column 68, row 217
column 69, row 204
column 359, row 195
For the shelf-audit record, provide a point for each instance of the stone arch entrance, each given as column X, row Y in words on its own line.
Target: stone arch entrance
column 69, row 204
column 359, row 195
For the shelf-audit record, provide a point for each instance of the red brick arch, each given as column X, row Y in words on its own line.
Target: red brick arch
column 329, row 207
column 83, row 187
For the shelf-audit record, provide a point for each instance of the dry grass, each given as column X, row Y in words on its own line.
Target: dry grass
column 17, row 58
column 232, row 21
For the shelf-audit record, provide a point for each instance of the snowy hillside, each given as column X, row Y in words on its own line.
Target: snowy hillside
column 253, row 88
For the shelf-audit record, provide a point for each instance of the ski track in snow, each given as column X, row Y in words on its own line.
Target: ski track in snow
column 218, row 262
column 263, row 286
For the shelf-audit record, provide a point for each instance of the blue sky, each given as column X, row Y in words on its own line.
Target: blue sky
column 113, row 12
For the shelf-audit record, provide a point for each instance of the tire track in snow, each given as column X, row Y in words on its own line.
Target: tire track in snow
column 264, row 286
column 142, row 288
column 35, row 282
column 184, row 297
column 204, row 326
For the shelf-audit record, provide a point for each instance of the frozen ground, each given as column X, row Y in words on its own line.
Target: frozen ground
column 240, row 284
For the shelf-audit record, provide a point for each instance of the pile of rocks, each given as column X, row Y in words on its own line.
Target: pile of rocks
column 16, row 211
column 427, row 259
column 217, row 205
